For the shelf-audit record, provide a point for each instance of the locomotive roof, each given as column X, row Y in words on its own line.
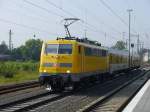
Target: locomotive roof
column 91, row 44
column 84, row 42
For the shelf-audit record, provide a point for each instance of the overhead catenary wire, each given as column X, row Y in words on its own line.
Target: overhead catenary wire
column 90, row 26
column 45, row 9
column 37, row 18
column 25, row 26
column 93, row 27
column 60, row 8
column 35, row 5
column 115, row 14
column 51, row 3
column 101, row 22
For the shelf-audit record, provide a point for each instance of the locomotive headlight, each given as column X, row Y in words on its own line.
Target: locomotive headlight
column 68, row 71
column 45, row 71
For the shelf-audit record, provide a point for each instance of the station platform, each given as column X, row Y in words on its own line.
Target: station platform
column 141, row 101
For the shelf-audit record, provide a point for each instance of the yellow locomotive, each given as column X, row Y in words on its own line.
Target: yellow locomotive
column 68, row 61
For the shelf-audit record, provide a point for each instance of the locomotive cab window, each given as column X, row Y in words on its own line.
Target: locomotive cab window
column 51, row 48
column 58, row 49
column 65, row 49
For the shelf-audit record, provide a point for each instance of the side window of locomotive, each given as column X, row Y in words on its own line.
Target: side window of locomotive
column 106, row 53
column 88, row 51
column 79, row 49
column 94, row 52
column 99, row 52
column 103, row 52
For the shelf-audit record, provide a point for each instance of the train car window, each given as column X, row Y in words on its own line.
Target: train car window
column 110, row 58
column 113, row 58
column 118, row 57
column 121, row 61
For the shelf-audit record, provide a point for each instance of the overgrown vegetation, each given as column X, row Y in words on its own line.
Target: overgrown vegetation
column 24, row 62
column 18, row 71
column 8, row 69
column 19, row 77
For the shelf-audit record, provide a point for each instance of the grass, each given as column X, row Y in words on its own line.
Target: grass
column 19, row 78
column 17, row 72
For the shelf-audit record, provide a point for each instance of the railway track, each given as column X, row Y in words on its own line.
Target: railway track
column 18, row 87
column 34, row 102
column 117, row 99
column 81, row 98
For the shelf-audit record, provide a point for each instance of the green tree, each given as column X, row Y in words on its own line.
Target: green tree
column 30, row 51
column 33, row 49
column 17, row 53
column 4, row 48
column 120, row 45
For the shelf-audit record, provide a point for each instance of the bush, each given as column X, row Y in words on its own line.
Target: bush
column 8, row 69
column 29, row 66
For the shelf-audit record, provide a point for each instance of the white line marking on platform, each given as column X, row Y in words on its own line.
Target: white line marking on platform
column 136, row 99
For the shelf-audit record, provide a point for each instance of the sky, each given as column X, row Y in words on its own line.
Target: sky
column 102, row 20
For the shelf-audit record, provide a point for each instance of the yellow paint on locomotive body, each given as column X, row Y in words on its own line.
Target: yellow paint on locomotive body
column 91, row 62
column 75, row 62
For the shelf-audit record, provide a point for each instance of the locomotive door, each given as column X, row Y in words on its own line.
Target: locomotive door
column 81, row 58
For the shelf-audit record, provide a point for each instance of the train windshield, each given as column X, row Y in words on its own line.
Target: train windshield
column 58, row 49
